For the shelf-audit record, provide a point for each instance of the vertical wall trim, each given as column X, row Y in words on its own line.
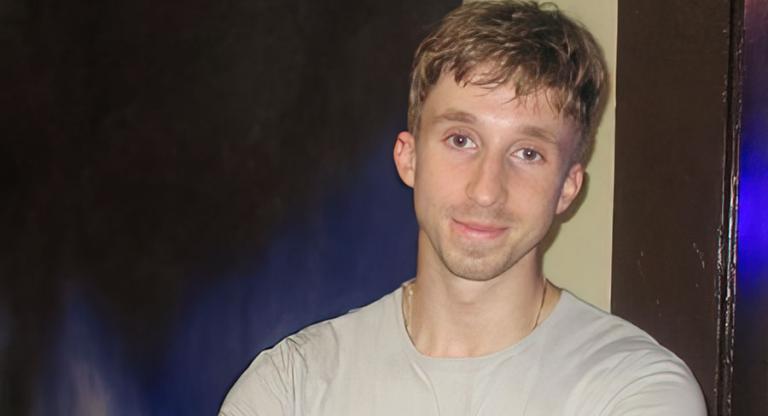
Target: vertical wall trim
column 726, row 292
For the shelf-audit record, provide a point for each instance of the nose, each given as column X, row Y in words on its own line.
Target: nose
column 487, row 185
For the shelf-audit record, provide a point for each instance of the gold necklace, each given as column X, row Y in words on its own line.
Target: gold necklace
column 541, row 306
column 408, row 306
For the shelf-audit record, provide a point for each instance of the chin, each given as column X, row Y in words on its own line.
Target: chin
column 477, row 269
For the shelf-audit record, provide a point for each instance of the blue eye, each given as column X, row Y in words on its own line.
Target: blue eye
column 529, row 155
column 461, row 142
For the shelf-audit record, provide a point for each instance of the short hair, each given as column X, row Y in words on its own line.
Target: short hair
column 533, row 46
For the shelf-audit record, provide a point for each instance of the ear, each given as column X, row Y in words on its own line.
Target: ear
column 405, row 157
column 571, row 187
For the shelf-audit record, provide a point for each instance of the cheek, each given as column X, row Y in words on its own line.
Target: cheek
column 436, row 180
column 530, row 192
column 435, row 199
column 432, row 193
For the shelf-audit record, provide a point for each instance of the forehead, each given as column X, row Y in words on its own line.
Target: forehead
column 496, row 105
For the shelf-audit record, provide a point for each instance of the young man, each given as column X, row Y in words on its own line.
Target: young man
column 503, row 100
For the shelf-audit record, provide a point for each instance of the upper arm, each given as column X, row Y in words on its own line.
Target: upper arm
column 661, row 388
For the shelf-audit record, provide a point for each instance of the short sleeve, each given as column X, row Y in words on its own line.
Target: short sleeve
column 662, row 387
column 268, row 386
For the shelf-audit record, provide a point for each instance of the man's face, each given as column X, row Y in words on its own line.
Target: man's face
column 489, row 172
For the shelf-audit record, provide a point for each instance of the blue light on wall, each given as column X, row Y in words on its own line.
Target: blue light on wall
column 753, row 164
column 352, row 247
column 355, row 247
column 751, row 301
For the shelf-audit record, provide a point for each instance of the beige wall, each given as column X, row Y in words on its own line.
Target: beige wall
column 580, row 257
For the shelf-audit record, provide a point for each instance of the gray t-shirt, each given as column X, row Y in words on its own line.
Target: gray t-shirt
column 579, row 361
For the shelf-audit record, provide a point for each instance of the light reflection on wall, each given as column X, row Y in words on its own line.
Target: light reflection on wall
column 85, row 372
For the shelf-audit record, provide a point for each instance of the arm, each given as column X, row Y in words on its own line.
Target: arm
column 660, row 388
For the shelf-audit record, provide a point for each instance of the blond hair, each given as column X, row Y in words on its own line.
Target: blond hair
column 534, row 47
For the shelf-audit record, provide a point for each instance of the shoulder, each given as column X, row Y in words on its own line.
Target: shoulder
column 305, row 360
column 592, row 332
column 620, row 366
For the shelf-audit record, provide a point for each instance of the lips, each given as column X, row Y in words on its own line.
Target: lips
column 478, row 230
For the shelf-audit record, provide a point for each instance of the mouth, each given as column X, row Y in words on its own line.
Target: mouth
column 478, row 230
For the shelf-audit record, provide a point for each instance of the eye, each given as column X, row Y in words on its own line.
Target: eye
column 461, row 141
column 529, row 155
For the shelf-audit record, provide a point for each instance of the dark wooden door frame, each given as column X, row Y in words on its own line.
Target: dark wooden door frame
column 677, row 139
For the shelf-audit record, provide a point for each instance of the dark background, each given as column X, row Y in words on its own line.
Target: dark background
column 177, row 175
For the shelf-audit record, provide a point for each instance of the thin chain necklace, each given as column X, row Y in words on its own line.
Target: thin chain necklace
column 409, row 289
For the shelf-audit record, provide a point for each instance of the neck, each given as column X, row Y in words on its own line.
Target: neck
column 450, row 316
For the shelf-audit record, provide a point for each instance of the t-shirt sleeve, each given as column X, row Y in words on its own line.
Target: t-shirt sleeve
column 662, row 387
column 268, row 386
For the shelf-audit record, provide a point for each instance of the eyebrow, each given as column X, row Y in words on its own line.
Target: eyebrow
column 456, row 115
column 537, row 132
